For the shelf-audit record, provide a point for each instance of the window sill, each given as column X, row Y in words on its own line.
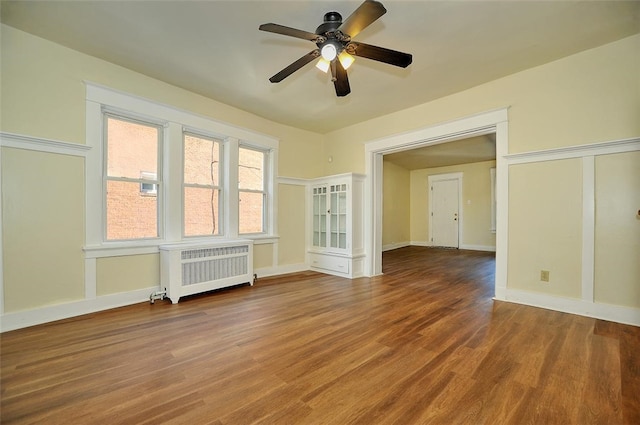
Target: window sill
column 121, row 249
column 118, row 249
column 261, row 239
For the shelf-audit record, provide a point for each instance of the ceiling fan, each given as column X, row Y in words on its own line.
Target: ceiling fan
column 335, row 46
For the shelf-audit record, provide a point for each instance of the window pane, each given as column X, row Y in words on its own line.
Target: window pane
column 132, row 148
column 250, row 212
column 201, row 211
column 251, row 169
column 131, row 214
column 201, row 161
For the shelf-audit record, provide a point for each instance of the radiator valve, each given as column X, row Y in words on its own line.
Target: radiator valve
column 158, row 295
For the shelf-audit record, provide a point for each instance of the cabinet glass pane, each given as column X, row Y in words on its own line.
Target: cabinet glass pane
column 323, row 239
column 316, row 238
column 342, row 203
column 343, row 223
column 334, row 240
column 343, row 241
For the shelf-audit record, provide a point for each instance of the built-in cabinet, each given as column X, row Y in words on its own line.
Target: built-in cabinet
column 337, row 234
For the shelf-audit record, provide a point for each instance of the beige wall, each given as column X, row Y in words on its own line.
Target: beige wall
column 291, row 218
column 47, row 98
column 585, row 98
column 122, row 274
column 593, row 96
column 396, row 216
column 545, row 227
column 589, row 97
column 42, row 228
column 44, row 85
column 617, row 231
column 476, row 203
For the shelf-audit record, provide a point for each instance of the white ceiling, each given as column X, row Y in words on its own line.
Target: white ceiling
column 214, row 48
column 465, row 151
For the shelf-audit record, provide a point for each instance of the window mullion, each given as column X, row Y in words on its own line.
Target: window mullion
column 232, row 203
column 172, row 167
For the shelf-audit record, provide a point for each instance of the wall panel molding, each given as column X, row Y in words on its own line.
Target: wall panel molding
column 39, row 144
column 578, row 151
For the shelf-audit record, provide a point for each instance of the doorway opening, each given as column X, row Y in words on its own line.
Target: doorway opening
column 489, row 123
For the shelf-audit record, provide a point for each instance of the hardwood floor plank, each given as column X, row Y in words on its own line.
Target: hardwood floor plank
column 630, row 372
column 422, row 344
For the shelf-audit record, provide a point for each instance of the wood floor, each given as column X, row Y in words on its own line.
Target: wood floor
column 423, row 344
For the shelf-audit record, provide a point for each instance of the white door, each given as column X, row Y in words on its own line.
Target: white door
column 444, row 213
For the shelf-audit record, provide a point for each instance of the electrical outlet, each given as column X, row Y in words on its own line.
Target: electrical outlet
column 544, row 275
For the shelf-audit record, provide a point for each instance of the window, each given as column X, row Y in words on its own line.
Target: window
column 252, row 193
column 131, row 182
column 202, row 188
column 157, row 174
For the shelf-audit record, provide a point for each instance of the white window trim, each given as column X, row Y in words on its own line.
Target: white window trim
column 175, row 121
column 494, row 204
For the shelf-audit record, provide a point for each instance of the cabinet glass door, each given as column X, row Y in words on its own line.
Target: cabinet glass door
column 338, row 216
column 320, row 216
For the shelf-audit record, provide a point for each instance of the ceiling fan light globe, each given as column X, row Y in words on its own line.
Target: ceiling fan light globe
column 345, row 59
column 329, row 52
column 323, row 65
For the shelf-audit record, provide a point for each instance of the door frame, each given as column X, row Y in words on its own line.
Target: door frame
column 441, row 177
column 495, row 121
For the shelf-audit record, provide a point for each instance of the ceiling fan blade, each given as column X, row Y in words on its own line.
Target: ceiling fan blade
column 295, row 66
column 367, row 13
column 340, row 79
column 292, row 32
column 392, row 57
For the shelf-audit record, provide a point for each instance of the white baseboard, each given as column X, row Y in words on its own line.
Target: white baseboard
column 395, row 245
column 26, row 318
column 23, row 319
column 613, row 313
column 285, row 269
column 420, row 243
column 462, row 246
column 478, row 247
column 38, row 316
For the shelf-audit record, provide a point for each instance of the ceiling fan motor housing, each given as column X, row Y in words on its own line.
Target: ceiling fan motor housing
column 329, row 33
column 332, row 21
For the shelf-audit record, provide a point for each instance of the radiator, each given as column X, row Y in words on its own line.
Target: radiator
column 187, row 269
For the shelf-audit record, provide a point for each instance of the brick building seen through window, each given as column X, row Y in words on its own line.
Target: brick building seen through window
column 133, row 183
